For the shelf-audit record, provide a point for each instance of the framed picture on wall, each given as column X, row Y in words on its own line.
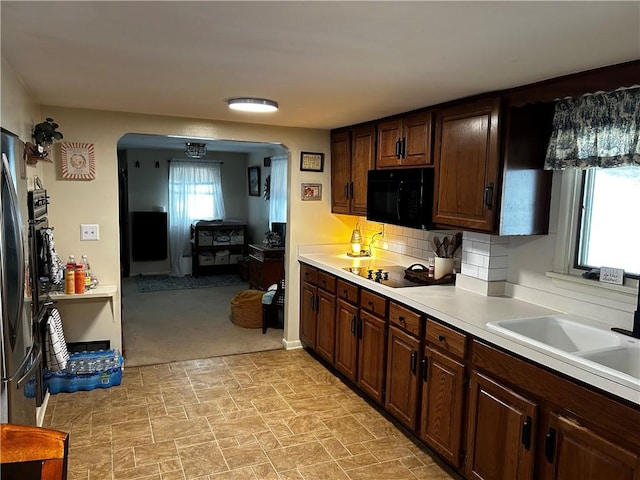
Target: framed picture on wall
column 254, row 181
column 78, row 161
column 311, row 191
column 311, row 162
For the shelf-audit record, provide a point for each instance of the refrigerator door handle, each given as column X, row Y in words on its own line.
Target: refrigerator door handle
column 26, row 366
column 29, row 373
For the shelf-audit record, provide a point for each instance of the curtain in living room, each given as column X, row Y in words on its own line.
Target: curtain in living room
column 195, row 193
column 278, row 199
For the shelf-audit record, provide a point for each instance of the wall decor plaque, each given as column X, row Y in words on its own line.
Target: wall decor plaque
column 78, row 161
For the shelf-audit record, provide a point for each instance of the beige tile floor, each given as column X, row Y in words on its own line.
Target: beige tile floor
column 268, row 415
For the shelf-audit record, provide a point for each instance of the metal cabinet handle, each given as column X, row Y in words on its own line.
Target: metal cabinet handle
column 398, row 148
column 414, row 361
column 488, row 196
column 441, row 338
column 550, row 445
column 351, row 190
column 353, row 326
column 425, row 369
column 403, row 142
column 526, row 433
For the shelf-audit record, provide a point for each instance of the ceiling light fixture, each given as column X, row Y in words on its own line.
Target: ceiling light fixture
column 195, row 150
column 247, row 104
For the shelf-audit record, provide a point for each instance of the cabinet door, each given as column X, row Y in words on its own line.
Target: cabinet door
column 501, row 432
column 417, row 140
column 574, row 452
column 389, row 136
column 308, row 315
column 362, row 160
column 371, row 355
column 401, row 396
column 442, row 403
column 326, row 325
column 340, row 172
column 467, row 160
column 346, row 339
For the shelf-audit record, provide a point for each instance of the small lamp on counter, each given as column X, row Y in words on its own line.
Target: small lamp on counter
column 356, row 243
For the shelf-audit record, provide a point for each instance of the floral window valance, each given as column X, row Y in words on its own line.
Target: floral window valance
column 598, row 130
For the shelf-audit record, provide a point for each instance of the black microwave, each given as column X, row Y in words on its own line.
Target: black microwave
column 400, row 197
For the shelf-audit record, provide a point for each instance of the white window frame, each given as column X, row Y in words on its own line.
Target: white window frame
column 564, row 274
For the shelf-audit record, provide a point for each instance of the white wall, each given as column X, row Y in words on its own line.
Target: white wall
column 19, row 113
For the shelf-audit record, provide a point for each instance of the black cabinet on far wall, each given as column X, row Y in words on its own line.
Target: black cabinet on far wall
column 217, row 247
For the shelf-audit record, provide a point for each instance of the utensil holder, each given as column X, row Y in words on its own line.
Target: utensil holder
column 443, row 266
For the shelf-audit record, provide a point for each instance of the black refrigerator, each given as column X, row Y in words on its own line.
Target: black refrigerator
column 19, row 353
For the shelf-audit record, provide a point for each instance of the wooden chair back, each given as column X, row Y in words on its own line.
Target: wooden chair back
column 28, row 452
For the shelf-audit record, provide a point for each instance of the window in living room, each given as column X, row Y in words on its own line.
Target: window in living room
column 195, row 192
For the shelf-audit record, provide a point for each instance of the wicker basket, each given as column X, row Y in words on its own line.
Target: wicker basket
column 246, row 309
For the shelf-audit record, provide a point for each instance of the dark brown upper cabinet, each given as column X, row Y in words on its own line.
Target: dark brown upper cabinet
column 405, row 141
column 352, row 156
column 489, row 167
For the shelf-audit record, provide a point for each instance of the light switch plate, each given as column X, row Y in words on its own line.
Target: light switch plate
column 89, row 231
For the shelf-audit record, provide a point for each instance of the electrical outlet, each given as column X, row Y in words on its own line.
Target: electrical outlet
column 89, row 232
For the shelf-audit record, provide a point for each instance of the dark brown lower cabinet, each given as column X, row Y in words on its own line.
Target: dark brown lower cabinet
column 401, row 396
column 326, row 325
column 442, row 404
column 501, row 432
column 346, row 339
column 308, row 323
column 514, row 420
column 371, row 355
column 573, row 452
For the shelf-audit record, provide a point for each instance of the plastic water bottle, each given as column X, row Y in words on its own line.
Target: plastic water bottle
column 87, row 272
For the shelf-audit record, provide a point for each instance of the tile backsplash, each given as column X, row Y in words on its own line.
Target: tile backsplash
column 482, row 256
column 407, row 241
column 485, row 256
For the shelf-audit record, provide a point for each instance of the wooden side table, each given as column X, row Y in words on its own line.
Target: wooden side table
column 266, row 266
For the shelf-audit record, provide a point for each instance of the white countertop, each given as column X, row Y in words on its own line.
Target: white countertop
column 469, row 312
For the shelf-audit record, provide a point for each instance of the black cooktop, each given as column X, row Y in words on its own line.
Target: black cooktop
column 389, row 275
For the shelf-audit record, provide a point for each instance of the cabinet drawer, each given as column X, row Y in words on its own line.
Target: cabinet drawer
column 446, row 338
column 373, row 303
column 347, row 291
column 309, row 274
column 404, row 318
column 326, row 282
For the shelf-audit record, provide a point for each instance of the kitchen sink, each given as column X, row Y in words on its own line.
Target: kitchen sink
column 556, row 332
column 625, row 359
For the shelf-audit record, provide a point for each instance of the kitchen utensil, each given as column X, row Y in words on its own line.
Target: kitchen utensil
column 437, row 244
column 456, row 243
column 445, row 247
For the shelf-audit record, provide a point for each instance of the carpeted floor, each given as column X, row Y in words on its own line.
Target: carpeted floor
column 163, row 283
column 186, row 324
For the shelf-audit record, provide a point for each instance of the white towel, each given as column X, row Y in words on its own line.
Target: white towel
column 55, row 345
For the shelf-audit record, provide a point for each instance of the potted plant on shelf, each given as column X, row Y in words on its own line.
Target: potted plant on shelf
column 44, row 135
